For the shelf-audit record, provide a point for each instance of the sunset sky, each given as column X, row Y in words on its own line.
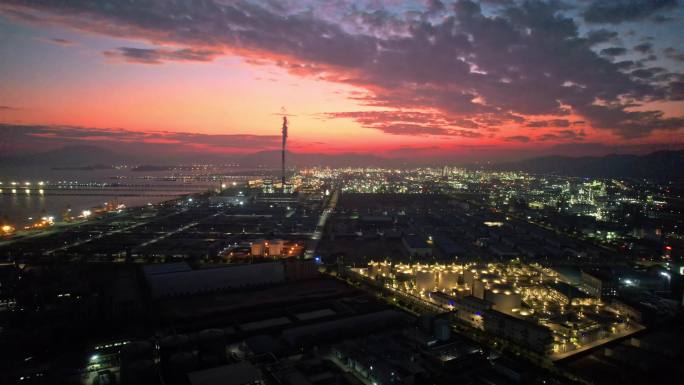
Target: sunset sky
column 391, row 78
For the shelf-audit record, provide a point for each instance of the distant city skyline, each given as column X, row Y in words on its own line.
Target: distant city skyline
column 421, row 79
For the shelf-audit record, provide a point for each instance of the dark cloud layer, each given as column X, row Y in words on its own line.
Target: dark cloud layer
column 60, row 41
column 159, row 56
column 563, row 135
column 674, row 54
column 613, row 51
column 409, row 123
column 602, row 35
column 527, row 59
column 549, row 123
column 35, row 137
column 618, row 11
column 644, row 48
column 518, row 138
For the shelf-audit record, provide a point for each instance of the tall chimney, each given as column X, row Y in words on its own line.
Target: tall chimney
column 282, row 180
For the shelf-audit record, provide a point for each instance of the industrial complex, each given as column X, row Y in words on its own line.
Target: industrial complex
column 525, row 303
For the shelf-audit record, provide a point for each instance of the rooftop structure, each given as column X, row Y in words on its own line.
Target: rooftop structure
column 241, row 373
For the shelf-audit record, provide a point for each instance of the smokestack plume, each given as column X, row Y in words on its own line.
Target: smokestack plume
column 284, row 129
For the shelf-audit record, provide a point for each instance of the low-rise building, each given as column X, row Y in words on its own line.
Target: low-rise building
column 531, row 335
column 470, row 310
column 416, row 246
column 180, row 280
column 599, row 284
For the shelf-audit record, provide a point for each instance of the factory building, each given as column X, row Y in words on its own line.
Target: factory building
column 442, row 299
column 568, row 294
column 241, row 373
column 470, row 310
column 599, row 284
column 178, row 279
column 533, row 336
column 350, row 326
column 416, row 246
column 442, row 329
column 275, row 248
column 297, row 269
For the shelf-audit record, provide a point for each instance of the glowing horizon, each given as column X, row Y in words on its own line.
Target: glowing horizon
column 425, row 79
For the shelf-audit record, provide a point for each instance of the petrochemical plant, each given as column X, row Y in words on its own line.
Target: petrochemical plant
column 527, row 304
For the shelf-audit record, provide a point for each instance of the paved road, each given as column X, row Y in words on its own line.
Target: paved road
column 318, row 233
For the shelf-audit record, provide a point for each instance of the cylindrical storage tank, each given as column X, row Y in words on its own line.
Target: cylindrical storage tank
column 503, row 299
column 478, row 289
column 402, row 277
column 182, row 363
column 425, row 280
column 210, row 361
column 372, row 269
column 448, row 279
column 140, row 372
column 489, row 278
column 213, row 342
column 173, row 344
column 275, row 247
column 385, row 268
column 469, row 276
column 136, row 350
column 258, row 249
column 442, row 329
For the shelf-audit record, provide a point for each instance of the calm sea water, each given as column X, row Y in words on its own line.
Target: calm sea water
column 22, row 208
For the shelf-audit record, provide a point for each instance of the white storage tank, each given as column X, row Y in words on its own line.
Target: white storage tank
column 478, row 289
column 448, row 279
column 469, row 276
column 373, row 269
column 258, row 248
column 425, row 280
column 275, row 247
column 503, row 299
column 385, row 268
column 402, row 277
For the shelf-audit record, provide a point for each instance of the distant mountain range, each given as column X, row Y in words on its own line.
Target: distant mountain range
column 661, row 164
column 84, row 156
column 272, row 159
column 656, row 165
column 68, row 156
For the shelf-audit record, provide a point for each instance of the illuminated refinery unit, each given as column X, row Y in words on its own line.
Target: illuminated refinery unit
column 526, row 303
